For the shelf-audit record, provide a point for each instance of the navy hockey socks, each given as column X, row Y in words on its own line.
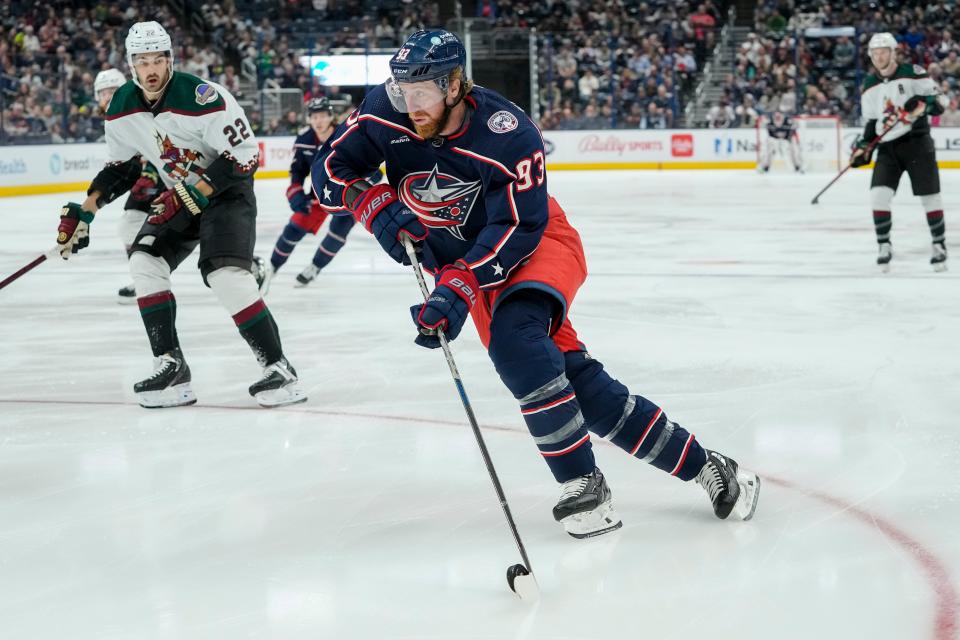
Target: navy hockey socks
column 286, row 243
column 334, row 240
column 632, row 422
column 532, row 368
column 159, row 314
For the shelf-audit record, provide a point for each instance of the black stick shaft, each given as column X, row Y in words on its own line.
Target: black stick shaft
column 414, row 261
column 869, row 150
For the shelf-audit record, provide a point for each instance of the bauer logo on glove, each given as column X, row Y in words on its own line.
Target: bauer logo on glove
column 170, row 202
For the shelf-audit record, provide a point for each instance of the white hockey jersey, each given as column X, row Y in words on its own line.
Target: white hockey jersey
column 194, row 123
column 883, row 97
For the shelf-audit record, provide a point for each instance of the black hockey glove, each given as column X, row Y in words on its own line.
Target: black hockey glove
column 862, row 153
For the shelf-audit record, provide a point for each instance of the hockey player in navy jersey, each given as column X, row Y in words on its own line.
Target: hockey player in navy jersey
column 781, row 137
column 307, row 215
column 466, row 180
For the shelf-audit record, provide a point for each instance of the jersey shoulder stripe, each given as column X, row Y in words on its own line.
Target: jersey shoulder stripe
column 189, row 95
column 870, row 82
column 125, row 101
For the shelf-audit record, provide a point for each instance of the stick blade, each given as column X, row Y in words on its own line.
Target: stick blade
column 523, row 583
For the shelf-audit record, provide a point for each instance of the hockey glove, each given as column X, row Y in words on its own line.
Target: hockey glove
column 299, row 202
column 916, row 106
column 380, row 211
column 147, row 187
column 73, row 233
column 181, row 197
column 862, row 153
column 447, row 307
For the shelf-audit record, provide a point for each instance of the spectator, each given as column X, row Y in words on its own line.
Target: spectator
column 588, row 85
column 950, row 117
column 721, row 115
column 654, row 118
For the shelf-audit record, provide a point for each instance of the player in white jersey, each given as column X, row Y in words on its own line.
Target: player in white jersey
column 896, row 100
column 198, row 137
column 146, row 188
column 782, row 138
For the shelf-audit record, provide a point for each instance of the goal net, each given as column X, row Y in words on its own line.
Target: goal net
column 820, row 140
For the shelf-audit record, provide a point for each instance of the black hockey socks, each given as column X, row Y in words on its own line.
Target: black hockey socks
column 258, row 328
column 882, row 223
column 159, row 313
column 938, row 228
column 632, row 422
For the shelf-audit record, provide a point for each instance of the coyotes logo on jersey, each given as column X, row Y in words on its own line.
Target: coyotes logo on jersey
column 439, row 199
column 178, row 163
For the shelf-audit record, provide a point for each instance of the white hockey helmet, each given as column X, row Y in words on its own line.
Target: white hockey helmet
column 884, row 40
column 147, row 37
column 108, row 79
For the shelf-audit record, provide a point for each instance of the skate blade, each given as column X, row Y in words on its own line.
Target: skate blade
column 179, row 395
column 589, row 524
column 885, row 268
column 287, row 394
column 126, row 300
column 749, row 494
column 940, row 267
column 299, row 284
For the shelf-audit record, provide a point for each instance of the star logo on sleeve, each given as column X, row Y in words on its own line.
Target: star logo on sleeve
column 497, row 269
column 326, row 193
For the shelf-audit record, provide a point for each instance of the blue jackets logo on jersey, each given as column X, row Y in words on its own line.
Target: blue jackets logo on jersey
column 439, row 199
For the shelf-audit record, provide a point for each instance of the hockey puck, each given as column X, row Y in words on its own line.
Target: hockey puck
column 522, row 583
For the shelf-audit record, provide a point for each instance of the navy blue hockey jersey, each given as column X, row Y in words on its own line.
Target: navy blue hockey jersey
column 305, row 149
column 785, row 131
column 482, row 191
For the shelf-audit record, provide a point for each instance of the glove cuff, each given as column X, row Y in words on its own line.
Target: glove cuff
column 371, row 202
column 294, row 189
column 459, row 278
column 191, row 197
column 78, row 212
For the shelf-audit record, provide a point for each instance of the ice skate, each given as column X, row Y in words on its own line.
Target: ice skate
column 278, row 386
column 263, row 273
column 127, row 295
column 886, row 254
column 729, row 487
column 306, row 276
column 585, row 508
column 939, row 258
column 169, row 386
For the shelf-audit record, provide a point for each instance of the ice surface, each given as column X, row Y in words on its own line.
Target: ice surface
column 758, row 321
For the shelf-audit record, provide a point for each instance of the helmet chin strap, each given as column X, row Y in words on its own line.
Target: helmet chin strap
column 447, row 110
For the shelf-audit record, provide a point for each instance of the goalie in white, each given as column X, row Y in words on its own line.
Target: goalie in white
column 782, row 137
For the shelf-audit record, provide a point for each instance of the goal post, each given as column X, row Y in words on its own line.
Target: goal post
column 820, row 140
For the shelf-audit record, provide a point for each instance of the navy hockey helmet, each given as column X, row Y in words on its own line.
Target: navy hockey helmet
column 317, row 105
column 427, row 55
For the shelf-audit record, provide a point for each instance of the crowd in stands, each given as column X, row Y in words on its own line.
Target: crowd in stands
column 624, row 65
column 601, row 65
column 50, row 53
column 777, row 68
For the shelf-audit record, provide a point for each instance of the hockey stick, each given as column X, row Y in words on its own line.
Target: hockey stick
column 519, row 577
column 33, row 263
column 867, row 151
